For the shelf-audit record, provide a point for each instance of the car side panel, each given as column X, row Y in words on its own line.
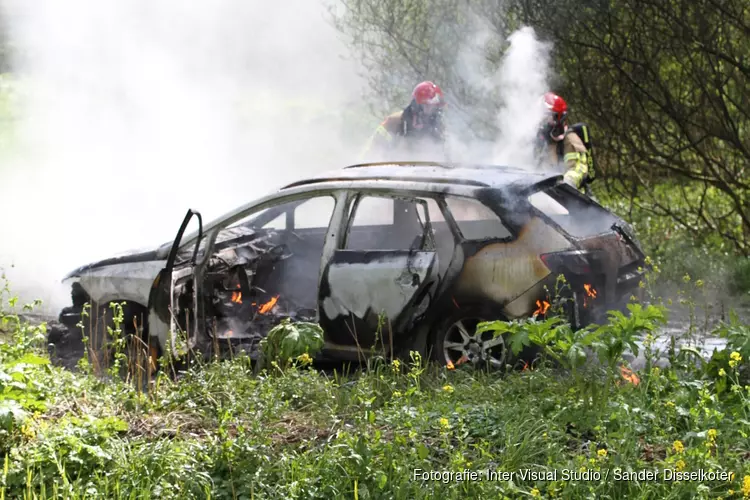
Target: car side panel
column 506, row 272
column 128, row 281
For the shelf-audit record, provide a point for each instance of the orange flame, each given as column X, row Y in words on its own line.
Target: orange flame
column 265, row 308
column 230, row 333
column 237, row 297
column 541, row 307
column 628, row 375
column 590, row 290
column 450, row 365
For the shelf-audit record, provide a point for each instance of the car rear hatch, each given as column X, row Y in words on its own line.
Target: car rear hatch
column 608, row 262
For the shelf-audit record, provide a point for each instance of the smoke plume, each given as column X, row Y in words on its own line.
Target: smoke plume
column 522, row 80
column 507, row 96
column 132, row 112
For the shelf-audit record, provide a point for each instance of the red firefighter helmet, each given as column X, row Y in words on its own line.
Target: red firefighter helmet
column 428, row 95
column 557, row 110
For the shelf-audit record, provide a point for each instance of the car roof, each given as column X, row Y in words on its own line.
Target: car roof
column 480, row 175
column 445, row 174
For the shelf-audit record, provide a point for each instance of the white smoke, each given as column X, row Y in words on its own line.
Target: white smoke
column 522, row 80
column 516, row 86
column 135, row 111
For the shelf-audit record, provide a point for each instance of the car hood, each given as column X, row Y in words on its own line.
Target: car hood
column 129, row 257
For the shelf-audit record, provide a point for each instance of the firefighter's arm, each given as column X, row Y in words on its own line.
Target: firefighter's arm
column 379, row 141
column 384, row 136
column 575, row 160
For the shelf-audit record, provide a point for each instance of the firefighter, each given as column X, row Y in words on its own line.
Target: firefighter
column 420, row 123
column 559, row 144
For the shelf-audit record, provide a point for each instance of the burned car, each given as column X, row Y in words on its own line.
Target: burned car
column 386, row 257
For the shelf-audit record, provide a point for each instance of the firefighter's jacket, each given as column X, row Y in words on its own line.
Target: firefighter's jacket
column 389, row 135
column 573, row 158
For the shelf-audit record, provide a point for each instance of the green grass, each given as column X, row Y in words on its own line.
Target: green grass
column 226, row 430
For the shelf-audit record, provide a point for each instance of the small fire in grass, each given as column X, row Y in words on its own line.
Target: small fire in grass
column 237, row 297
column 541, row 307
column 266, row 308
column 628, row 375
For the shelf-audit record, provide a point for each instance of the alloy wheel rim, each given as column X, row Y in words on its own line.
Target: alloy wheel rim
column 462, row 344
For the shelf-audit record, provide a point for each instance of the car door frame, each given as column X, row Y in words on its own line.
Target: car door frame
column 160, row 297
column 339, row 234
column 164, row 330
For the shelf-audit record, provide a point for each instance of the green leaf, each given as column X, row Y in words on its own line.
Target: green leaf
column 382, row 480
column 11, row 414
column 519, row 340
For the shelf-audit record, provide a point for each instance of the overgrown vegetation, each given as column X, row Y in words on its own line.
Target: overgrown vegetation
column 394, row 429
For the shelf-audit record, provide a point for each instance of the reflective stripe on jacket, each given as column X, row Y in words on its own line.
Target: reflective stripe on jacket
column 574, row 159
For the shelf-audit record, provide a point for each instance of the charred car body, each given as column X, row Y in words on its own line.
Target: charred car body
column 396, row 256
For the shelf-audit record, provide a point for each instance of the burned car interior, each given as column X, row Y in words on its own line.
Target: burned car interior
column 392, row 257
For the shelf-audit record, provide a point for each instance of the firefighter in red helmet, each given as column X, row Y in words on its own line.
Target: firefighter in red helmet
column 420, row 122
column 559, row 144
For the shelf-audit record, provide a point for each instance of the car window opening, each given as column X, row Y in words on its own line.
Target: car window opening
column 265, row 267
column 574, row 214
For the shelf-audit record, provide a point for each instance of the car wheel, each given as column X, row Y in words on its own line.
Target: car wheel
column 455, row 342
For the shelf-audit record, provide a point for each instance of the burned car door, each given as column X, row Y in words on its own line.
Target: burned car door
column 174, row 299
column 377, row 281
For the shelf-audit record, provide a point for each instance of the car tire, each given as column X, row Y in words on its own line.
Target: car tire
column 482, row 350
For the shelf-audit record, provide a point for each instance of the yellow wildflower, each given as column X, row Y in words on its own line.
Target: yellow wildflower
column 535, row 492
column 397, row 394
column 602, row 453
column 746, row 486
column 680, row 465
column 28, row 432
column 686, row 278
column 735, row 356
column 304, row 359
column 396, row 364
column 722, row 373
column 669, row 404
column 444, row 422
column 699, row 283
column 711, row 434
column 678, row 446
column 448, row 388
